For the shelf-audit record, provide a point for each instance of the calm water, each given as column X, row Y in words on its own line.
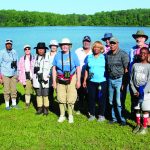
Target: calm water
column 33, row 35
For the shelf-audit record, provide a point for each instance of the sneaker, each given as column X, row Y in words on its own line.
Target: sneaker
column 70, row 118
column 8, row 108
column 112, row 122
column 123, row 123
column 136, row 129
column 91, row 118
column 61, row 119
column 101, row 118
column 142, row 131
column 78, row 112
column 16, row 107
column 27, row 105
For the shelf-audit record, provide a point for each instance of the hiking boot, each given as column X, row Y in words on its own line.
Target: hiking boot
column 70, row 118
column 136, row 129
column 91, row 118
column 45, row 111
column 142, row 131
column 39, row 111
column 101, row 118
column 61, row 119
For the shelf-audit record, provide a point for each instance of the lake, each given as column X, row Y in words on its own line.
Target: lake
column 33, row 35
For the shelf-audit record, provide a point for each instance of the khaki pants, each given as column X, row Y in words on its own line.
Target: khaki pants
column 67, row 93
column 28, row 87
column 10, row 87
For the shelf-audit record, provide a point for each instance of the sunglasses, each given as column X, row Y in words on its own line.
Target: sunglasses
column 27, row 49
column 112, row 43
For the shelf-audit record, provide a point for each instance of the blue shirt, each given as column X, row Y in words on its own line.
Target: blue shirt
column 66, row 62
column 96, row 68
column 6, row 58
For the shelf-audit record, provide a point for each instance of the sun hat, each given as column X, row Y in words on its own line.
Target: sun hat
column 113, row 39
column 41, row 45
column 107, row 36
column 53, row 43
column 87, row 38
column 140, row 33
column 65, row 41
column 26, row 46
column 9, row 41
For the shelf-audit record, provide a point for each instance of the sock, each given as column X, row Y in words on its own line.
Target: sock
column 70, row 109
column 27, row 99
column 62, row 109
column 138, row 119
column 46, row 101
column 14, row 102
column 145, row 120
column 7, row 103
column 39, row 100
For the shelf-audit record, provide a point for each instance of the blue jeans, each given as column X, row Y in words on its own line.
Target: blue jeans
column 114, row 86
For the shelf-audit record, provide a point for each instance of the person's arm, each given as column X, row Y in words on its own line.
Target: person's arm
column 1, row 80
column 78, row 83
column 85, row 79
column 54, row 74
column 147, row 87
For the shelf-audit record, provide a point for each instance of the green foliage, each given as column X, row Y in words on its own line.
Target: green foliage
column 23, row 130
column 133, row 17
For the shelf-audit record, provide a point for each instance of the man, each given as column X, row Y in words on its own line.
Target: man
column 134, row 55
column 106, row 39
column 82, row 53
column 116, row 66
column 8, row 71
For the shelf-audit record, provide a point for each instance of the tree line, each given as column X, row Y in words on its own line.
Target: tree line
column 132, row 17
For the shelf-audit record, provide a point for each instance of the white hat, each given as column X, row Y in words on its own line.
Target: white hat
column 9, row 42
column 25, row 46
column 65, row 41
column 53, row 42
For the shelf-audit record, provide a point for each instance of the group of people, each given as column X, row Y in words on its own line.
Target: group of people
column 94, row 73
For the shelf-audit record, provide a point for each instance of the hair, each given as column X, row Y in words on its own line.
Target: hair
column 101, row 46
column 145, row 48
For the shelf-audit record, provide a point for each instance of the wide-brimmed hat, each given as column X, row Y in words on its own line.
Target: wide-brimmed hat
column 140, row 33
column 26, row 46
column 86, row 38
column 114, row 39
column 9, row 41
column 107, row 36
column 41, row 45
column 53, row 43
column 65, row 41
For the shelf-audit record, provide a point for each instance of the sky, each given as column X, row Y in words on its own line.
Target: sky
column 73, row 6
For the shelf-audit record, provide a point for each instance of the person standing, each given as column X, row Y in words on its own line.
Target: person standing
column 66, row 70
column 8, row 74
column 106, row 39
column 41, row 78
column 117, row 62
column 140, row 85
column 51, row 54
column 134, row 55
column 82, row 53
column 25, row 73
column 97, row 85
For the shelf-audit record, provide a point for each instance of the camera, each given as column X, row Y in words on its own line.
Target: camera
column 67, row 74
column 14, row 64
column 36, row 69
column 40, row 78
column 27, row 75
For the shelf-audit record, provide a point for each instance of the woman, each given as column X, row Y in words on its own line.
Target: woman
column 95, row 73
column 41, row 78
column 66, row 69
column 25, row 68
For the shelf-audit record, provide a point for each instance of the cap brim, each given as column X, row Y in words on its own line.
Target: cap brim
column 65, row 43
column 40, row 47
column 135, row 36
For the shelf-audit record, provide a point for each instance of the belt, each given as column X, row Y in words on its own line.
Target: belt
column 114, row 78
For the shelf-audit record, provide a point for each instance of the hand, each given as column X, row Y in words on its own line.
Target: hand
column 78, row 84
column 84, row 84
column 137, row 94
column 54, row 85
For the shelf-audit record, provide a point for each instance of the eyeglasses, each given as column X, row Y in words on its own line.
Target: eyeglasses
column 113, row 43
column 27, row 49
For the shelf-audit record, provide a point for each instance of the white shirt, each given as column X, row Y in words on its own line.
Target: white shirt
column 81, row 56
column 27, row 64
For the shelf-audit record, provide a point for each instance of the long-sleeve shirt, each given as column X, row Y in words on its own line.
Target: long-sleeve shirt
column 6, row 58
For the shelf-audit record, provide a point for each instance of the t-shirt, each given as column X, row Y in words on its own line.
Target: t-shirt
column 66, row 62
column 140, row 75
column 96, row 68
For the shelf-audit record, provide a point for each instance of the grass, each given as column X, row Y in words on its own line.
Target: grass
column 23, row 130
